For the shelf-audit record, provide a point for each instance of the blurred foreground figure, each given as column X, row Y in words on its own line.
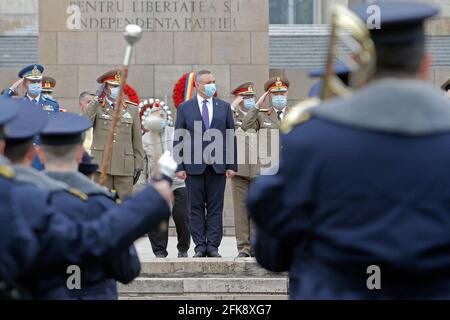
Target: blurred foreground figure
column 48, row 225
column 363, row 181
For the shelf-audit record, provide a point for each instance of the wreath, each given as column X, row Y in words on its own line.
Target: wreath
column 148, row 106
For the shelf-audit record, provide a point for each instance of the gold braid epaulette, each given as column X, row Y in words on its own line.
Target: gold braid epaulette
column 77, row 193
column 6, row 172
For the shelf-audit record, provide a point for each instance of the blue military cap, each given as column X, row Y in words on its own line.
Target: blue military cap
column 400, row 22
column 65, row 129
column 29, row 122
column 32, row 72
column 86, row 166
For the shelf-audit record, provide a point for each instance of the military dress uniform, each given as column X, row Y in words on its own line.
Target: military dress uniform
column 127, row 152
column 364, row 182
column 263, row 121
column 247, row 145
column 89, row 201
column 48, row 87
column 34, row 72
column 18, row 244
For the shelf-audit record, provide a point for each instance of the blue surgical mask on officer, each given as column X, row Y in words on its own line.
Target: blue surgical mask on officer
column 279, row 102
column 35, row 89
column 210, row 89
column 115, row 93
column 249, row 103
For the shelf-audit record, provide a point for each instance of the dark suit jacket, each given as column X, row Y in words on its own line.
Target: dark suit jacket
column 194, row 138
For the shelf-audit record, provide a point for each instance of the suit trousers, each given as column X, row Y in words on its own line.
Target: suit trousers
column 244, row 228
column 159, row 238
column 205, row 198
column 123, row 185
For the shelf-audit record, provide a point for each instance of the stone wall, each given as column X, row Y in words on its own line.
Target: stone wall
column 229, row 37
column 16, row 14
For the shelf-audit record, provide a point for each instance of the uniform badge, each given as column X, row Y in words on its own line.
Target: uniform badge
column 48, row 108
column 267, row 123
column 106, row 116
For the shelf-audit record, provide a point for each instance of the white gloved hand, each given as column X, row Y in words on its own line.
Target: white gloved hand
column 167, row 165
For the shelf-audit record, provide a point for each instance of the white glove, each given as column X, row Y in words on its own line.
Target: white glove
column 167, row 165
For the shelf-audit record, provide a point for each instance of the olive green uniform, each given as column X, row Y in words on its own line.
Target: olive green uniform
column 127, row 151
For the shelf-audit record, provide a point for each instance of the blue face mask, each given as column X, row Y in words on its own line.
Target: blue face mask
column 35, row 89
column 115, row 93
column 249, row 103
column 210, row 89
column 279, row 102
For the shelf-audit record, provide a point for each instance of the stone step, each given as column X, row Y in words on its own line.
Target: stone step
column 207, row 268
column 205, row 297
column 205, row 286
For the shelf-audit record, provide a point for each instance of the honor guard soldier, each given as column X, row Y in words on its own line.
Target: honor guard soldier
column 36, row 233
column 247, row 144
column 61, row 149
column 18, row 244
column 127, row 160
column 360, row 203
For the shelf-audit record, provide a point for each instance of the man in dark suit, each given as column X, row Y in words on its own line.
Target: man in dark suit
column 206, row 157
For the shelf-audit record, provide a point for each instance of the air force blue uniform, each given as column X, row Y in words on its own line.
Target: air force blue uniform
column 366, row 181
column 45, row 225
column 48, row 105
column 354, row 192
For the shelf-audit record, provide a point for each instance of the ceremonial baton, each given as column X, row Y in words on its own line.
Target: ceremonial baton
column 132, row 35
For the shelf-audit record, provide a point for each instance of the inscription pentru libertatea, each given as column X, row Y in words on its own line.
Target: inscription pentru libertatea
column 165, row 15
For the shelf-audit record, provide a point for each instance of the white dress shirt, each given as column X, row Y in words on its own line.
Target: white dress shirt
column 35, row 100
column 209, row 105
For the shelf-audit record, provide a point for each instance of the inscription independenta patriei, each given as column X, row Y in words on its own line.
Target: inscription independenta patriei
column 179, row 15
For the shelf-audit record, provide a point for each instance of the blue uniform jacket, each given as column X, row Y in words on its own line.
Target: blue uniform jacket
column 98, row 279
column 365, row 182
column 48, row 105
column 191, row 147
column 60, row 238
column 18, row 244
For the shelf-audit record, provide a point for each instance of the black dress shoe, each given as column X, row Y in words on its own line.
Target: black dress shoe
column 199, row 255
column 182, row 254
column 214, row 254
column 243, row 255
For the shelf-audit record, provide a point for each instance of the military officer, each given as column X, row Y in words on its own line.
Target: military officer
column 363, row 183
column 48, row 87
column 245, row 100
column 31, row 82
column 127, row 160
column 266, row 118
